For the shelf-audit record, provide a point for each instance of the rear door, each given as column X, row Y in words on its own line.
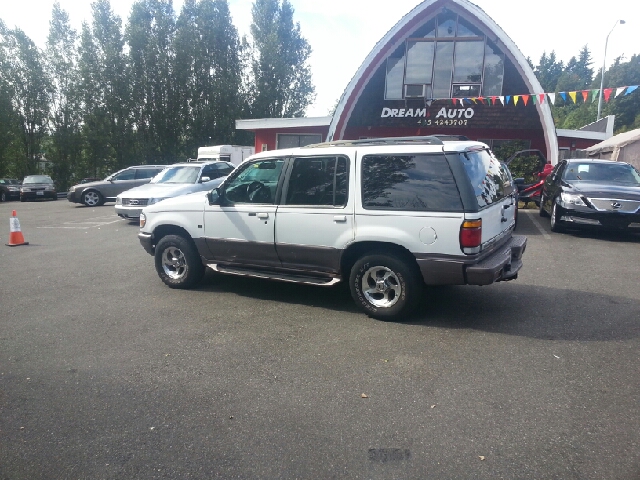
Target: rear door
column 314, row 222
column 494, row 192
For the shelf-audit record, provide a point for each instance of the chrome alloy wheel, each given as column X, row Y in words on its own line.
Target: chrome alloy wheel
column 174, row 263
column 381, row 287
column 91, row 198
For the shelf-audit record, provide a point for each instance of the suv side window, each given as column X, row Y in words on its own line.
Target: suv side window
column 128, row 174
column 257, row 182
column 146, row 172
column 487, row 177
column 409, row 182
column 216, row 170
column 318, row 181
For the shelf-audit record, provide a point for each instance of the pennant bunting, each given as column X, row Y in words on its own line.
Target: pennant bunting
column 564, row 96
column 454, row 100
column 573, row 96
column 552, row 97
column 595, row 94
column 631, row 89
column 541, row 98
column 493, row 100
column 515, row 99
column 501, row 98
column 534, row 99
column 585, row 95
column 607, row 94
column 619, row 91
column 508, row 97
column 525, row 99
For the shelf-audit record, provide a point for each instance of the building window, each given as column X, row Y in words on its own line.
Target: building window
column 287, row 140
column 459, row 61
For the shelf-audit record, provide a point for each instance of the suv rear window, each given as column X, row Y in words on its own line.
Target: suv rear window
column 318, row 181
column 409, row 182
column 489, row 181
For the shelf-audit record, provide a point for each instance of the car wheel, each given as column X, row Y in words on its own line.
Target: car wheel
column 3, row 197
column 543, row 212
column 385, row 287
column 177, row 262
column 91, row 198
column 22, row 199
column 556, row 224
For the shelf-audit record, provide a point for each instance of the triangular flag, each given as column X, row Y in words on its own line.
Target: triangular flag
column 429, row 102
column 525, row 99
column 564, row 96
column 595, row 94
column 508, row 97
column 493, row 100
column 501, row 98
column 631, row 89
column 541, row 98
column 534, row 99
column 573, row 96
column 607, row 93
column 481, row 100
column 453, row 100
column 552, row 97
column 515, row 99
column 585, row 95
column 619, row 90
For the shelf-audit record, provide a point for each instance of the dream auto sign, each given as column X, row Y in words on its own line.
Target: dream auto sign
column 444, row 117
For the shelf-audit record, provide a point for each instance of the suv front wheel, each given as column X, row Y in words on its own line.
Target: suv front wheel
column 177, row 262
column 385, row 287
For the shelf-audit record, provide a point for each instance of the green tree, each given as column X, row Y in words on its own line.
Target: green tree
column 626, row 108
column 65, row 145
column 9, row 120
column 281, row 77
column 548, row 71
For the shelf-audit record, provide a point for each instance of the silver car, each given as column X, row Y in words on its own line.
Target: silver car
column 178, row 179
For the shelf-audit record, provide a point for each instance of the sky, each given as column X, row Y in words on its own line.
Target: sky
column 343, row 32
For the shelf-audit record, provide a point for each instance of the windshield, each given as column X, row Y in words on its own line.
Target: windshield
column 36, row 179
column 613, row 173
column 182, row 174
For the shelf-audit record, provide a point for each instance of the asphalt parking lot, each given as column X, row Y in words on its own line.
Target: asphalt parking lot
column 105, row 373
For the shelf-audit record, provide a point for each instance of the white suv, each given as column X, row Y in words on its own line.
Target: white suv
column 387, row 215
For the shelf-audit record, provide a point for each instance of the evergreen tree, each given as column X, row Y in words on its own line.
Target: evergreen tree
column 281, row 77
column 9, row 121
column 548, row 71
column 65, row 142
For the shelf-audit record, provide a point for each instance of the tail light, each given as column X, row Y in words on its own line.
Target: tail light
column 471, row 236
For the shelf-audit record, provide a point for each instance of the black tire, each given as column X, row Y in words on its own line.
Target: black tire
column 556, row 224
column 22, row 199
column 55, row 197
column 177, row 262
column 92, row 198
column 543, row 212
column 3, row 197
column 394, row 286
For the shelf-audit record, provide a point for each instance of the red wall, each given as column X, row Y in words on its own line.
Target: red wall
column 269, row 136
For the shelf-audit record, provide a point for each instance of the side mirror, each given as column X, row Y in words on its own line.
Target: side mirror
column 214, row 196
column 205, row 179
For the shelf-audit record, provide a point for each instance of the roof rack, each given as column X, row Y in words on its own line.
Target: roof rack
column 425, row 140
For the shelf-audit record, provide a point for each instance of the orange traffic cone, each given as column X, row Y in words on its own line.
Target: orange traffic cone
column 15, row 234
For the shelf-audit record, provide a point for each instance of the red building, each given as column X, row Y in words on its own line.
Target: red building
column 445, row 68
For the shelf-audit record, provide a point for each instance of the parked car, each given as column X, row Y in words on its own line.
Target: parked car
column 9, row 189
column 178, row 179
column 592, row 193
column 385, row 215
column 94, row 194
column 36, row 187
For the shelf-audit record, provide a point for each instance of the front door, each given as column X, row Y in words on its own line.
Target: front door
column 240, row 228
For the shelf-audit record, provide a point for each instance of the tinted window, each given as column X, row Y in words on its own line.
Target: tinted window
column 216, row 170
column 489, row 181
column 128, row 174
column 409, row 182
column 614, row 173
column 146, row 172
column 318, row 181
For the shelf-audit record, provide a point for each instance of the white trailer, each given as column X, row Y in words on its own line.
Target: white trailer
column 235, row 154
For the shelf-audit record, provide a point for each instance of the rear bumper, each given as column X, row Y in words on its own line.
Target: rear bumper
column 36, row 195
column 502, row 265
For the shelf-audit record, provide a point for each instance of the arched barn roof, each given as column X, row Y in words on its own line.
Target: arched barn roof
column 402, row 30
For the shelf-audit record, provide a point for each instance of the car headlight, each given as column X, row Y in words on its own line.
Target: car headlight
column 153, row 201
column 571, row 199
column 48, row 188
column 118, row 201
column 143, row 220
column 25, row 189
column 13, row 189
column 72, row 189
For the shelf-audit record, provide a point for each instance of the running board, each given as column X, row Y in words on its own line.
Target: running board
column 283, row 277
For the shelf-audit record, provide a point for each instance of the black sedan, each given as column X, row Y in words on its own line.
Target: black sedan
column 9, row 189
column 592, row 193
column 37, row 186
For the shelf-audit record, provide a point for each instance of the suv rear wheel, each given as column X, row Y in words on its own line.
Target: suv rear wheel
column 385, row 287
column 177, row 262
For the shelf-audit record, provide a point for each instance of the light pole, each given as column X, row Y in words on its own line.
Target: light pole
column 604, row 60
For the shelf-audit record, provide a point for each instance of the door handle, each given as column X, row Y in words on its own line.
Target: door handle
column 340, row 218
column 263, row 216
